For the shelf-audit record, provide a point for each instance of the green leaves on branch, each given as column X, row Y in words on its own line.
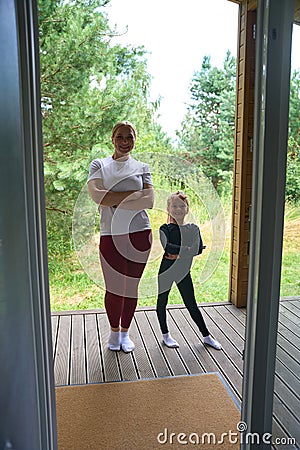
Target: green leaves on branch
column 293, row 155
column 208, row 129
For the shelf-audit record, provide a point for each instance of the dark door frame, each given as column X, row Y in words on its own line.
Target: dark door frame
column 27, row 395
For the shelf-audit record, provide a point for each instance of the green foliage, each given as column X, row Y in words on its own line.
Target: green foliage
column 72, row 289
column 293, row 155
column 208, row 128
column 294, row 114
column 293, row 171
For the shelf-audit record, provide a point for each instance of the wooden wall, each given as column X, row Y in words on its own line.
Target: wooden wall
column 243, row 156
column 238, row 283
column 297, row 12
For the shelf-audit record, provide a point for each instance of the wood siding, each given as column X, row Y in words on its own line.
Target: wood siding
column 243, row 157
column 238, row 283
column 297, row 12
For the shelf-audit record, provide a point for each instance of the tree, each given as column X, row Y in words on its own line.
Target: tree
column 207, row 131
column 293, row 155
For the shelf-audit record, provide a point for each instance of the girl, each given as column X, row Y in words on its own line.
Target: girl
column 122, row 187
column 181, row 243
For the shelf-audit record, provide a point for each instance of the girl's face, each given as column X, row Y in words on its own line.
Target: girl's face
column 178, row 209
column 123, row 141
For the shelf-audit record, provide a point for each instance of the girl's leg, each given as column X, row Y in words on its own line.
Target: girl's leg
column 164, row 286
column 187, row 293
column 186, row 290
column 162, row 301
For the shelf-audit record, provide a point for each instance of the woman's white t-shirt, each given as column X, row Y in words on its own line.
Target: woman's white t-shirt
column 121, row 176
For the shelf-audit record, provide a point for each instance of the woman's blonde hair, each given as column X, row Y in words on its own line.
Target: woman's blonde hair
column 122, row 123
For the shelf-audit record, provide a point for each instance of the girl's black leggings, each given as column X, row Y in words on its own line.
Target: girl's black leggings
column 186, row 289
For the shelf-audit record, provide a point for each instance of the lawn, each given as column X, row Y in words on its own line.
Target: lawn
column 74, row 286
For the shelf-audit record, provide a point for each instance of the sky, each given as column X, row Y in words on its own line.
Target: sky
column 177, row 35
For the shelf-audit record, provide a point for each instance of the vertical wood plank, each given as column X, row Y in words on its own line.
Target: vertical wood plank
column 142, row 360
column 242, row 159
column 54, row 328
column 94, row 365
column 152, row 346
column 62, row 356
column 111, row 370
column 78, row 364
column 171, row 355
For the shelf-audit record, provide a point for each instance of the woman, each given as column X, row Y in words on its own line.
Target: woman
column 123, row 189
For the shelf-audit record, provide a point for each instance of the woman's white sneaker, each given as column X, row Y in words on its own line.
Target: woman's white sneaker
column 114, row 341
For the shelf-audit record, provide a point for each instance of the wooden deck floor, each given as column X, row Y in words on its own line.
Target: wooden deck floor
column 81, row 355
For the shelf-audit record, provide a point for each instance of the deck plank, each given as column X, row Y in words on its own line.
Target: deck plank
column 286, row 359
column 127, row 366
column 286, row 316
column 288, row 377
column 287, row 420
column 231, row 342
column 293, row 351
column 77, row 366
column 289, row 333
column 143, row 363
column 152, row 346
column 290, row 322
column 54, row 329
column 292, row 308
column 191, row 333
column 94, row 362
column 279, row 432
column 172, row 357
column 239, row 313
column 111, row 370
column 296, row 303
column 234, row 323
column 185, row 351
column 225, row 366
column 62, row 356
column 285, row 398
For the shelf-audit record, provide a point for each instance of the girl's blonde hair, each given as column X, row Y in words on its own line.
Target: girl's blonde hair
column 122, row 123
column 179, row 194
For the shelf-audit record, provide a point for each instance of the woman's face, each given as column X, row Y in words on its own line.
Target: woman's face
column 123, row 141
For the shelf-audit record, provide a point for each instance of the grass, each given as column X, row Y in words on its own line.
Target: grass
column 290, row 280
column 72, row 289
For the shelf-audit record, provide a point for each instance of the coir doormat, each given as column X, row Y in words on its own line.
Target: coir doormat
column 193, row 411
